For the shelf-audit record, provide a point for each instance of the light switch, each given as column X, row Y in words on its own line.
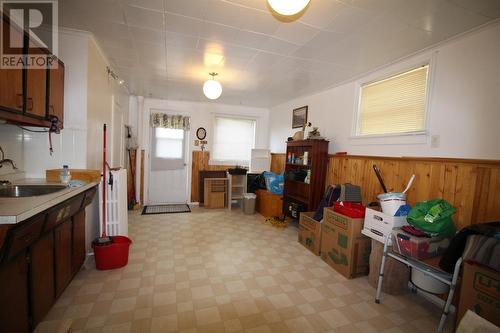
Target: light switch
column 435, row 141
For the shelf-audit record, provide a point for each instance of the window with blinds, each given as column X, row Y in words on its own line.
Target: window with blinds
column 233, row 141
column 394, row 105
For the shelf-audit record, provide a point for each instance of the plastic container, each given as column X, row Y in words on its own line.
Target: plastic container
column 114, row 255
column 418, row 247
column 428, row 283
column 248, row 205
column 351, row 209
column 65, row 175
column 390, row 202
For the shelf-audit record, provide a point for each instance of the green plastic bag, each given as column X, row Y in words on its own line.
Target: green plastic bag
column 433, row 216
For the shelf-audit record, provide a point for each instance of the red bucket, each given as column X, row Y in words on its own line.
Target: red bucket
column 113, row 255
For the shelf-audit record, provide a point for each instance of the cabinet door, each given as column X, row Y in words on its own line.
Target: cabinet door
column 36, row 89
column 42, row 277
column 56, row 91
column 11, row 80
column 14, row 295
column 78, row 254
column 62, row 234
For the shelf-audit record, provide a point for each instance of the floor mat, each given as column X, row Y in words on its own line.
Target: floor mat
column 166, row 209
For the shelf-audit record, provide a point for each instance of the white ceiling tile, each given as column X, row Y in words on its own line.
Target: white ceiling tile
column 251, row 39
column 156, row 5
column 225, row 49
column 256, row 4
column 143, row 18
column 218, row 32
column 182, row 24
column 109, row 30
column 279, row 46
column 180, row 40
column 322, row 43
column 488, row 8
column 147, row 35
column 319, row 14
column 193, row 8
column 350, row 19
column 296, row 32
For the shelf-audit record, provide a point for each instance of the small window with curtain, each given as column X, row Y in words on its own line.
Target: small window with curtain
column 395, row 105
column 233, row 141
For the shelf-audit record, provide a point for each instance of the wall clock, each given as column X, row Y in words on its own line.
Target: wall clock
column 201, row 133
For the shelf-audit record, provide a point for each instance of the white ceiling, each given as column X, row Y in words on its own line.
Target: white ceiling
column 166, row 48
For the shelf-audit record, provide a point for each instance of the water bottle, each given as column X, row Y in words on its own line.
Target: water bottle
column 65, row 175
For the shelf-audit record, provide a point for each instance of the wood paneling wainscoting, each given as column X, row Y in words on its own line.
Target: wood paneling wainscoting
column 471, row 186
column 200, row 163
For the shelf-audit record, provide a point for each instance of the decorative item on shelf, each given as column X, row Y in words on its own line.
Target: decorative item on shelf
column 299, row 117
column 315, row 134
column 299, row 135
column 212, row 88
column 306, row 157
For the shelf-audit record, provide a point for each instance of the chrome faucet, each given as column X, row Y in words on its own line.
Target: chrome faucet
column 4, row 160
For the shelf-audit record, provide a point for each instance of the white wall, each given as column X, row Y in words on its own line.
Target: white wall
column 464, row 105
column 202, row 115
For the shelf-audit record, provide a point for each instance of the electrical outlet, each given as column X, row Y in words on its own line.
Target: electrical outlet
column 435, row 141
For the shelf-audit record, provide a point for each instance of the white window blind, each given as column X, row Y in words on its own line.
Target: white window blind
column 233, row 140
column 394, row 105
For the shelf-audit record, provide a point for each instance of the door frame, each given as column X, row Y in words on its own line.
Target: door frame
column 147, row 160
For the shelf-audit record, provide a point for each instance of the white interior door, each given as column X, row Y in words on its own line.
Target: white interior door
column 168, row 178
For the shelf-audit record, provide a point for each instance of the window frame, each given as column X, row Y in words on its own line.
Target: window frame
column 212, row 160
column 393, row 138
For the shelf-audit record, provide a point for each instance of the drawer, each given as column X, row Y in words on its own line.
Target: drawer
column 89, row 196
column 63, row 211
column 24, row 235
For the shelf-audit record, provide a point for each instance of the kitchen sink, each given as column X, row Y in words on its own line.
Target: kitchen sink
column 18, row 191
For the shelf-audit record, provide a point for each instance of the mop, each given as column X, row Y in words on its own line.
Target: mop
column 104, row 239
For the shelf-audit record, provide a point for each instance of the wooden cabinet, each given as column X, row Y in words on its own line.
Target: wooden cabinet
column 11, row 80
column 42, row 277
column 302, row 194
column 62, row 255
column 30, row 96
column 36, row 90
column 56, row 91
column 14, row 314
column 78, row 253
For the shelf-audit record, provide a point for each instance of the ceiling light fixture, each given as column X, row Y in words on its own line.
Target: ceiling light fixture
column 212, row 88
column 288, row 7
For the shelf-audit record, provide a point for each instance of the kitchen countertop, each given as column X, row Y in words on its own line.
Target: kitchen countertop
column 15, row 210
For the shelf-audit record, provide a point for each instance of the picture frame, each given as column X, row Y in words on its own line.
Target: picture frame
column 299, row 117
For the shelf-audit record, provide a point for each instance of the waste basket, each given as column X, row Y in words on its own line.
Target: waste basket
column 249, row 203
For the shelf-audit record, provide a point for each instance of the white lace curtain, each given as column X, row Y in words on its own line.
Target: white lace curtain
column 169, row 121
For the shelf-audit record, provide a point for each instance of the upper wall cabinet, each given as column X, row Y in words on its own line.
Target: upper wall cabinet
column 31, row 96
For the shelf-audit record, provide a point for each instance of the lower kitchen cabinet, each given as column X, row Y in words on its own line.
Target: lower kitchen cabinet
column 78, row 241
column 62, row 248
column 14, row 305
column 42, row 277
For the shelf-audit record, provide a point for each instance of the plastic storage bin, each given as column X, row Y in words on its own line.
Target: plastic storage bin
column 248, row 206
column 418, row 247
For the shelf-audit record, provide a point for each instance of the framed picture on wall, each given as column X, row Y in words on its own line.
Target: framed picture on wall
column 299, row 117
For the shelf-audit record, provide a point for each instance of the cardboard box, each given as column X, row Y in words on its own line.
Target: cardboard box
column 310, row 232
column 378, row 225
column 343, row 247
column 480, row 292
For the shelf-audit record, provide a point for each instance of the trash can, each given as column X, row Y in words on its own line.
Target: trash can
column 248, row 206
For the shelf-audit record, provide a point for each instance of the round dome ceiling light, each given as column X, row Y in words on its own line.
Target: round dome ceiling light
column 212, row 88
column 288, row 7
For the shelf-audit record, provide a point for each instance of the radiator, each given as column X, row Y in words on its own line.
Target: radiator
column 116, row 204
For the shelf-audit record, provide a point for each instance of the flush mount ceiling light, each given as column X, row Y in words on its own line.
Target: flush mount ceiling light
column 212, row 88
column 288, row 7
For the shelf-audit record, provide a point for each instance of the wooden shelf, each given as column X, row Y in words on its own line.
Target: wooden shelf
column 307, row 166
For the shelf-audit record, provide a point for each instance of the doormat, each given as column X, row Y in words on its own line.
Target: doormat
column 166, row 209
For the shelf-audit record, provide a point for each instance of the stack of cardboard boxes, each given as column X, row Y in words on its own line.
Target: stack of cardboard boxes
column 338, row 240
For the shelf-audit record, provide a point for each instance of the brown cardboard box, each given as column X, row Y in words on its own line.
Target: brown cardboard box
column 310, row 232
column 480, row 292
column 343, row 246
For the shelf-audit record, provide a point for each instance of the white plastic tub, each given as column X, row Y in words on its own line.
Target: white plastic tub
column 390, row 202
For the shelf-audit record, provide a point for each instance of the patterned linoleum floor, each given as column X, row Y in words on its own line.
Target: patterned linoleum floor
column 217, row 271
